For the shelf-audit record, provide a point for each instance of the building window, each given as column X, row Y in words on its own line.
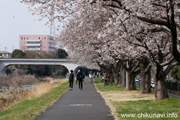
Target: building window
column 33, row 46
column 24, row 38
column 27, row 38
column 44, row 37
column 44, row 46
column 21, row 38
column 33, row 42
column 39, row 38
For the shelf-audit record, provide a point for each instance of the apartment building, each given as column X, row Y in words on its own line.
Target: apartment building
column 36, row 43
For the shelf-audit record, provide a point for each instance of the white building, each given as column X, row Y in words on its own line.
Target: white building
column 5, row 54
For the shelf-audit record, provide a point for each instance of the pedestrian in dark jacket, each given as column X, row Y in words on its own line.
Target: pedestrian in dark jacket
column 76, row 78
column 80, row 78
column 71, row 80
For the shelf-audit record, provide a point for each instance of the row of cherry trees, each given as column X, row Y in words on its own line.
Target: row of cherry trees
column 118, row 35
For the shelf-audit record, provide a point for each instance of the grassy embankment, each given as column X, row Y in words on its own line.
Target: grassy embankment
column 38, row 100
column 132, row 105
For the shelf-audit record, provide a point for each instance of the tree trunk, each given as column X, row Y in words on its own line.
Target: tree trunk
column 123, row 77
column 147, row 82
column 143, row 81
column 131, row 81
column 110, row 77
column 120, row 76
column 118, row 79
column 115, row 77
column 174, row 34
column 161, row 92
column 145, row 77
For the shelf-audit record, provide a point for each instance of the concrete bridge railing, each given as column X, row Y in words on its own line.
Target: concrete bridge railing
column 66, row 63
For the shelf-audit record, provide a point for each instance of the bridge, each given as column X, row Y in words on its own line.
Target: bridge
column 64, row 62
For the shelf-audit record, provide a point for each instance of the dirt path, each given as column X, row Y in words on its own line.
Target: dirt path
column 117, row 96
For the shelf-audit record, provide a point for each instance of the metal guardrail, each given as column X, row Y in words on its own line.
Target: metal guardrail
column 175, row 86
column 33, row 59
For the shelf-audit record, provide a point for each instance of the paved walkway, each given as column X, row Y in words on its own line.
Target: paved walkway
column 78, row 105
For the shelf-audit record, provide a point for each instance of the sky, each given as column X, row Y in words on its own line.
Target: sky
column 15, row 20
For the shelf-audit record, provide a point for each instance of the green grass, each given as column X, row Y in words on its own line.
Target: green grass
column 163, row 107
column 29, row 109
column 138, row 88
column 101, row 87
column 112, row 87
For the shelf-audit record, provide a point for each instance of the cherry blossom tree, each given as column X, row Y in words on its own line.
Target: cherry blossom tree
column 90, row 33
column 109, row 32
column 45, row 9
column 154, row 42
column 157, row 46
column 164, row 13
column 163, row 17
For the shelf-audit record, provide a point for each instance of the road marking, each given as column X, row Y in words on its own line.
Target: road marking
column 80, row 105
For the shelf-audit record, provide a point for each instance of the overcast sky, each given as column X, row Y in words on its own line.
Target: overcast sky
column 15, row 19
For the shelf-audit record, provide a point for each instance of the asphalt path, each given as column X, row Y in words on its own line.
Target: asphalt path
column 86, row 104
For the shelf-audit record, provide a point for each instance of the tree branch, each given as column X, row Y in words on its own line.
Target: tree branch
column 135, row 67
column 153, row 21
column 167, row 70
column 167, row 62
column 148, row 68
column 159, row 5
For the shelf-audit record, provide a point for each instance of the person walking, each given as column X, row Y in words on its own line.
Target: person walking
column 76, row 78
column 84, row 74
column 71, row 80
column 80, row 78
column 90, row 77
column 106, row 79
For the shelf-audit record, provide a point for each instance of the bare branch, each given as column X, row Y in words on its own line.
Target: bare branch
column 167, row 70
column 113, row 6
column 148, row 67
column 159, row 5
column 167, row 62
column 135, row 67
column 153, row 21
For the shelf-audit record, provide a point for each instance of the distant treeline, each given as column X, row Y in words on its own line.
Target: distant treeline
column 59, row 53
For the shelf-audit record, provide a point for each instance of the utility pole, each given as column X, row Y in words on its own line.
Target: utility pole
column 52, row 30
